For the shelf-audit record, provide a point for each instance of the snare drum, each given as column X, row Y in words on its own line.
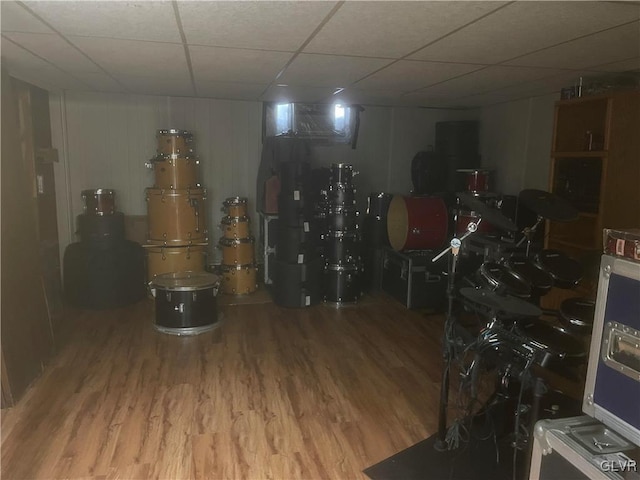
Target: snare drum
column 417, row 223
column 176, row 217
column 236, row 227
column 185, row 302
column 237, row 251
column 174, row 142
column 162, row 259
column 235, row 206
column 238, row 279
column 502, row 279
column 477, row 181
column 565, row 271
column 101, row 201
column 174, row 171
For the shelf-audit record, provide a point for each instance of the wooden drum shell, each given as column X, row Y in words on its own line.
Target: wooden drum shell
column 174, row 142
column 417, row 223
column 160, row 259
column 235, row 207
column 177, row 217
column 236, row 227
column 237, row 251
column 239, row 279
column 175, row 172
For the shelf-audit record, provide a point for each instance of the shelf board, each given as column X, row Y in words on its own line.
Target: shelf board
column 585, row 154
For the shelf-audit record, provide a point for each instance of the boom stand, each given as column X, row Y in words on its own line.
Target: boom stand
column 447, row 340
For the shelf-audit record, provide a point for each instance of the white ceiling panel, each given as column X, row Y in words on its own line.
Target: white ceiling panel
column 236, row 65
column 19, row 58
column 129, row 57
column 489, row 79
column 158, row 85
column 298, row 94
column 230, row 90
column 393, row 29
column 612, row 45
column 329, row 70
column 17, row 19
column 54, row 49
column 370, row 96
column 48, row 76
column 407, row 75
column 99, row 81
column 526, row 27
column 255, row 25
column 147, row 20
column 621, row 66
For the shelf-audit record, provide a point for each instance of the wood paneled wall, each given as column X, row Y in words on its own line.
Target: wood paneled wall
column 105, row 139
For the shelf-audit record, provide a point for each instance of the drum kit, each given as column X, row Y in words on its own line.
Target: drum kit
column 504, row 293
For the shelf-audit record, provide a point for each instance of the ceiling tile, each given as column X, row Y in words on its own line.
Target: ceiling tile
column 147, row 20
column 611, row 45
column 54, row 49
column 254, row 25
column 629, row 64
column 370, row 96
column 236, row 65
column 489, row 79
column 157, row 85
column 49, row 78
column 18, row 57
column 17, row 19
column 527, row 26
column 230, row 90
column 313, row 70
column 130, row 57
column 392, row 29
column 298, row 94
column 99, row 81
column 407, row 75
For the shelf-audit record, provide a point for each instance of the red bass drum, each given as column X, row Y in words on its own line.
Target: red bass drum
column 417, row 223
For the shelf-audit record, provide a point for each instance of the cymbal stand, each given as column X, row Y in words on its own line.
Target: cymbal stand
column 447, row 340
column 528, row 233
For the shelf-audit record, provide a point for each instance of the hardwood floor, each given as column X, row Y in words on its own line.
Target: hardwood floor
column 272, row 393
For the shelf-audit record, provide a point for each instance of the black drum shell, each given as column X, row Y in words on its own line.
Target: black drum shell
column 341, row 173
column 181, row 309
column 378, row 204
column 341, row 195
column 101, row 231
column 342, row 219
column 342, row 248
column 375, row 233
column 343, row 284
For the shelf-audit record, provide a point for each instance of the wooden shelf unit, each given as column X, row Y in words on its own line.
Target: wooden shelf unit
column 603, row 182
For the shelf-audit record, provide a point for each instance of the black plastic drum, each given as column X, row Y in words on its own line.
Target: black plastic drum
column 185, row 302
column 540, row 281
column 504, row 280
column 566, row 271
column 342, row 248
column 557, row 347
column 294, row 176
column 375, row 233
column 576, row 314
column 294, row 208
column 342, row 173
column 101, row 231
column 343, row 218
column 341, row 195
column 297, row 285
column 342, row 284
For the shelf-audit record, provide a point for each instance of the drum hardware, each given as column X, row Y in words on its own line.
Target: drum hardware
column 486, row 212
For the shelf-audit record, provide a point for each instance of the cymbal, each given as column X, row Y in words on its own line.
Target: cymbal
column 488, row 214
column 548, row 205
column 500, row 303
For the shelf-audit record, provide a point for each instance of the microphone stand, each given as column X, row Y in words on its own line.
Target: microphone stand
column 447, row 343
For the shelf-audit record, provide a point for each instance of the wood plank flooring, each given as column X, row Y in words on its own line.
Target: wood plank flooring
column 271, row 393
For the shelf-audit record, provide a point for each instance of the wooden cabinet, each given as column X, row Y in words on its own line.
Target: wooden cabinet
column 595, row 165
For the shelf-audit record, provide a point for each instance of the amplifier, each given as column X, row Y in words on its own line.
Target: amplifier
column 612, row 389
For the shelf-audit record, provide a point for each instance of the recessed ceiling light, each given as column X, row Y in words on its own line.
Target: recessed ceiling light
column 338, row 90
column 282, row 85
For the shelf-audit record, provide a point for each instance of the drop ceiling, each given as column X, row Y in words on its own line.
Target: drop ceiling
column 429, row 54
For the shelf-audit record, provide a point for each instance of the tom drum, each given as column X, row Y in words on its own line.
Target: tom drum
column 176, row 217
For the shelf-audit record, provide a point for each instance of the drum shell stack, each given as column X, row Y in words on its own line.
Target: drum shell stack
column 238, row 268
column 343, row 265
column 297, row 280
column 375, row 239
column 177, row 238
column 103, row 270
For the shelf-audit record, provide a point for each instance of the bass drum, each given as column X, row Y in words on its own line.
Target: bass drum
column 417, row 223
column 174, row 171
column 238, row 279
column 176, row 217
column 162, row 259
